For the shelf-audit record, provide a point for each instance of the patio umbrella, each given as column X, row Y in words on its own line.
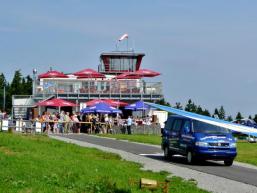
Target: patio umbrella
column 110, row 102
column 138, row 106
column 100, row 108
column 89, row 73
column 52, row 74
column 56, row 103
column 128, row 75
column 115, row 103
column 146, row 73
column 94, row 102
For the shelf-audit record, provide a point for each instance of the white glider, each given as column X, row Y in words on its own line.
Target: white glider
column 221, row 123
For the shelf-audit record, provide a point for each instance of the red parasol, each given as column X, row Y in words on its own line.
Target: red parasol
column 110, row 102
column 128, row 75
column 146, row 73
column 114, row 103
column 52, row 74
column 56, row 103
column 94, row 102
column 89, row 73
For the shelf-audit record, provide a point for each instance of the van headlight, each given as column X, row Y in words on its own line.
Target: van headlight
column 232, row 144
column 201, row 144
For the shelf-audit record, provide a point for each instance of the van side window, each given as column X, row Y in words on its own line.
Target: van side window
column 186, row 129
column 168, row 124
column 177, row 125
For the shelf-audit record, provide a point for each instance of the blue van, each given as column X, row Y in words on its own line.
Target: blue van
column 197, row 140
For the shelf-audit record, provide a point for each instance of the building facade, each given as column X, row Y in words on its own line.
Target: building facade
column 80, row 89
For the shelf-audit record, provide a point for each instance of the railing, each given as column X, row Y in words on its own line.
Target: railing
column 62, row 127
column 49, row 87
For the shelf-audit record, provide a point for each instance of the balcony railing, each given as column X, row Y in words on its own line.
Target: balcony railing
column 110, row 87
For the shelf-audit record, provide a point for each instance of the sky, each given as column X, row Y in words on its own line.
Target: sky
column 205, row 50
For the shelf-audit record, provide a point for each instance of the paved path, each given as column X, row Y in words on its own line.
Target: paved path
column 237, row 173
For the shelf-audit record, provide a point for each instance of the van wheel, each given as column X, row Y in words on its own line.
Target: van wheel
column 228, row 162
column 190, row 157
column 167, row 153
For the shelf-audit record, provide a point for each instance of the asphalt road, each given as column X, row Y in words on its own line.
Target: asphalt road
column 237, row 173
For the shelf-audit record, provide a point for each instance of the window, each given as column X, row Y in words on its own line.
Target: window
column 186, row 127
column 177, row 125
column 201, row 127
column 168, row 124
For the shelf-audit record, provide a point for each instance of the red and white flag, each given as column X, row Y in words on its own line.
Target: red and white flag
column 123, row 37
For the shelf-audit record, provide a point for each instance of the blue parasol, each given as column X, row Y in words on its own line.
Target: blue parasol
column 100, row 108
column 138, row 106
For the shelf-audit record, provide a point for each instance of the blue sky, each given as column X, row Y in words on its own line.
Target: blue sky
column 205, row 50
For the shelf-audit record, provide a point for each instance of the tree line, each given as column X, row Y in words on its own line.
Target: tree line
column 22, row 85
column 219, row 113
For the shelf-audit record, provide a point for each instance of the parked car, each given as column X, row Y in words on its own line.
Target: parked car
column 197, row 141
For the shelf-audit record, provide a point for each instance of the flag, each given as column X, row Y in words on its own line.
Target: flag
column 123, row 37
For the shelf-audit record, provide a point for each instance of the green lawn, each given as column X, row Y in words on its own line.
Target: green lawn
column 40, row 164
column 150, row 139
column 247, row 152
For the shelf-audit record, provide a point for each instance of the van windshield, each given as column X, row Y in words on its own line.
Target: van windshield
column 201, row 127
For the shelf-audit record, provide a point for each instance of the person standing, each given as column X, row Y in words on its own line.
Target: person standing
column 129, row 123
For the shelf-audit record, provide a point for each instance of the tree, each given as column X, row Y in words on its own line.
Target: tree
column 3, row 81
column 229, row 118
column 239, row 116
column 222, row 114
column 16, row 87
column 190, row 106
column 250, row 117
column 3, row 85
column 206, row 113
column 216, row 113
column 255, row 118
column 178, row 106
column 163, row 102
column 199, row 110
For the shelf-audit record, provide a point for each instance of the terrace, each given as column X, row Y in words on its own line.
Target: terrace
column 87, row 89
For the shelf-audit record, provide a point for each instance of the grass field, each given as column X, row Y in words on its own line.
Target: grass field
column 40, row 164
column 150, row 139
column 247, row 152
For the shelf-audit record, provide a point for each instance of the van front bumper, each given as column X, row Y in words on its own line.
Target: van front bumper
column 216, row 155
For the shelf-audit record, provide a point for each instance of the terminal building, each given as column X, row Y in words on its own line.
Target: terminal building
column 119, row 77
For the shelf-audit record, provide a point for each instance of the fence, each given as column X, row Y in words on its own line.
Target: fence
column 31, row 126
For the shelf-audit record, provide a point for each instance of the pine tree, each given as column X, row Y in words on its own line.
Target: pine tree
column 178, row 106
column 222, row 114
column 250, row 117
column 255, row 118
column 206, row 113
column 229, row 118
column 163, row 102
column 3, row 81
column 199, row 110
column 29, row 85
column 216, row 113
column 3, row 85
column 190, row 106
column 239, row 116
column 16, row 87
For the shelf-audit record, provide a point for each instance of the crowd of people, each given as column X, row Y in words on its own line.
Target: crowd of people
column 75, row 122
column 66, row 122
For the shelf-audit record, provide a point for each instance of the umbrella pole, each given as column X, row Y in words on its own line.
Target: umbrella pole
column 59, row 109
